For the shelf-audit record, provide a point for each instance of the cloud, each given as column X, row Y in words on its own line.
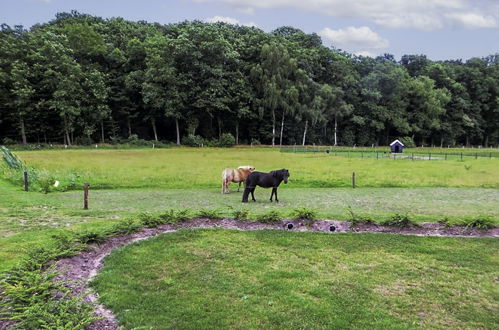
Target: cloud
column 360, row 40
column 228, row 20
column 419, row 14
column 472, row 20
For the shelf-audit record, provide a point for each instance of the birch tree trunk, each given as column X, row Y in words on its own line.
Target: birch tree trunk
column 273, row 128
column 23, row 131
column 178, row 131
column 153, row 123
column 282, row 130
column 305, row 133
column 102, row 131
column 129, row 126
column 335, row 131
column 237, row 133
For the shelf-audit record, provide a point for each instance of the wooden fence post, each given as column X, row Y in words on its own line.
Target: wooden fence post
column 26, row 184
column 353, row 180
column 85, row 196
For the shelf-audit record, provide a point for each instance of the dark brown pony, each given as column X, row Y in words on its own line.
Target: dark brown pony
column 265, row 180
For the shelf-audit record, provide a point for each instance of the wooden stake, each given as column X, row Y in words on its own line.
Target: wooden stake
column 353, row 180
column 85, row 196
column 26, row 184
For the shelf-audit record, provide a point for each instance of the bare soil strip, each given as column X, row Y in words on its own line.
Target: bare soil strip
column 79, row 270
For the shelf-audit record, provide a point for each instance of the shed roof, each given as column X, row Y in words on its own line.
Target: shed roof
column 396, row 141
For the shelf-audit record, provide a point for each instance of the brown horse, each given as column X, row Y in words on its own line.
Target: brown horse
column 235, row 175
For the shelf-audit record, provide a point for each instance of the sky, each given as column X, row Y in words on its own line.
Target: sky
column 439, row 29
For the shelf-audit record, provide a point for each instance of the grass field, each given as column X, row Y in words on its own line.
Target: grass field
column 191, row 168
column 213, row 279
column 190, row 178
column 125, row 183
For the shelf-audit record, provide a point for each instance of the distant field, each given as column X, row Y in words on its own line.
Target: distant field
column 201, row 168
column 220, row 279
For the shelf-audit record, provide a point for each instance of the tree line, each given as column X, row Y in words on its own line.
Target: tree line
column 81, row 79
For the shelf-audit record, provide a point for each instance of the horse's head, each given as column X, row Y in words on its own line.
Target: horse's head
column 282, row 174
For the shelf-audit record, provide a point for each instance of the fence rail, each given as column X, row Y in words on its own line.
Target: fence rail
column 386, row 154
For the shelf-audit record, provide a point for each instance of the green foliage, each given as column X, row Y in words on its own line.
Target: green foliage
column 482, row 222
column 193, row 141
column 10, row 159
column 401, row 221
column 227, row 140
column 126, row 227
column 241, row 214
column 304, row 213
column 269, row 217
column 356, row 219
column 35, row 299
column 209, row 213
column 149, row 220
column 408, row 142
column 91, row 236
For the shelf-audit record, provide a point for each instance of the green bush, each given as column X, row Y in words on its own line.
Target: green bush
column 227, row 140
column 150, row 221
column 401, row 221
column 481, row 222
column 91, row 236
column 210, row 214
column 241, row 214
column 125, row 227
column 269, row 217
column 172, row 216
column 408, row 142
column 304, row 213
column 193, row 141
column 255, row 142
column 356, row 219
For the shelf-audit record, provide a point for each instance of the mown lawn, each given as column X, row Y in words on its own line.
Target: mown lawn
column 192, row 168
column 214, row 279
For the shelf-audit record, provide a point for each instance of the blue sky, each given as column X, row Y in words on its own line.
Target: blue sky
column 440, row 29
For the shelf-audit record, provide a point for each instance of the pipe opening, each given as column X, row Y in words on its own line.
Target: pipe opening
column 289, row 225
column 332, row 228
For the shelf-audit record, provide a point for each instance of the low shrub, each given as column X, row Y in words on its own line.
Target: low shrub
column 304, row 213
column 91, row 236
column 227, row 140
column 210, row 214
column 269, row 217
column 149, row 220
column 481, row 222
column 401, row 221
column 34, row 298
column 125, row 227
column 241, row 214
column 356, row 220
column 193, row 141
column 173, row 217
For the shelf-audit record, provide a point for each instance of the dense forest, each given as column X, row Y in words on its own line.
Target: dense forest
column 80, row 79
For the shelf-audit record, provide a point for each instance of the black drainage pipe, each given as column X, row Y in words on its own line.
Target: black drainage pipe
column 289, row 225
column 332, row 228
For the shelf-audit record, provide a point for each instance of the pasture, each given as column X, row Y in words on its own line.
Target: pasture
column 127, row 183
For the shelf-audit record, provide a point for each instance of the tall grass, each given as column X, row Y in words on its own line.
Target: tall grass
column 201, row 168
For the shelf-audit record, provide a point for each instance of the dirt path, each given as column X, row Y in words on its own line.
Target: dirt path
column 82, row 268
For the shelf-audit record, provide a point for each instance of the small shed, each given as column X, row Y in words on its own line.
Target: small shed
column 397, row 147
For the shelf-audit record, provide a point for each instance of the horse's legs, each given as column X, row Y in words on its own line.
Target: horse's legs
column 272, row 194
column 239, row 186
column 276, row 200
column 252, row 194
column 245, row 195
